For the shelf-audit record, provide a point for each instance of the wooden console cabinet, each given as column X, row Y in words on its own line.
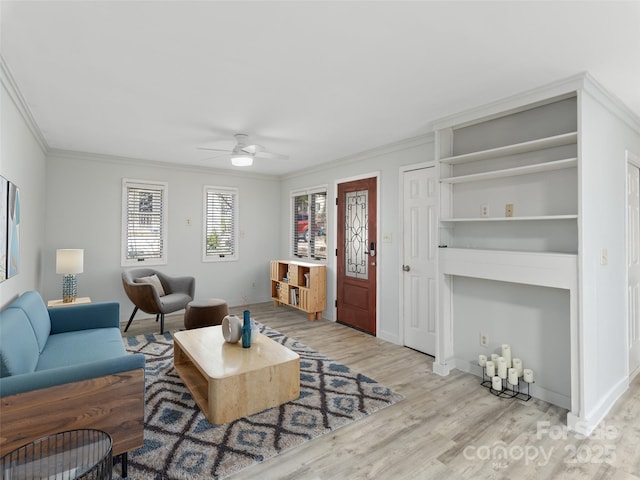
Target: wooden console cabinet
column 300, row 285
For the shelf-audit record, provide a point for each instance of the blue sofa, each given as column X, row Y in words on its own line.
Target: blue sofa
column 66, row 368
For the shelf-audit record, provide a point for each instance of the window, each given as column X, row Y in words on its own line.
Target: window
column 309, row 223
column 144, row 222
column 220, row 224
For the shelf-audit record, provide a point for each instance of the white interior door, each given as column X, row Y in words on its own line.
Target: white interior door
column 633, row 260
column 419, row 259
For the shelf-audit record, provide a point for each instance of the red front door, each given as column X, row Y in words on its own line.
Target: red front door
column 357, row 254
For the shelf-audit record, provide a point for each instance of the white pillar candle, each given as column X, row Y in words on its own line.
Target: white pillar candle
column 496, row 383
column 528, row 375
column 491, row 368
column 506, row 353
column 494, row 357
column 482, row 360
column 502, row 367
column 517, row 364
column 512, row 376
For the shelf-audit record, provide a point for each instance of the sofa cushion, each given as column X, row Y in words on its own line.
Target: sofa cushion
column 153, row 280
column 18, row 345
column 174, row 301
column 82, row 346
column 35, row 309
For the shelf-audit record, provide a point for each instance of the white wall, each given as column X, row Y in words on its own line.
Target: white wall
column 22, row 161
column 533, row 320
column 604, row 140
column 386, row 161
column 83, row 208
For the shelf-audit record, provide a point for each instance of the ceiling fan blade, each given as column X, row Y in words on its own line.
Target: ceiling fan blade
column 215, row 149
column 213, row 157
column 253, row 149
column 271, row 155
column 244, row 148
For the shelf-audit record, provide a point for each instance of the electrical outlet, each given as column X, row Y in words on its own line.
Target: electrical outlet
column 484, row 211
column 508, row 210
column 484, row 339
column 604, row 257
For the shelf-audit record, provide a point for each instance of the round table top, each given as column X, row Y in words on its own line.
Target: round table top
column 209, row 302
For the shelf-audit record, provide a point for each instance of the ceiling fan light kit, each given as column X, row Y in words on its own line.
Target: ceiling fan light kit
column 244, row 152
column 241, row 160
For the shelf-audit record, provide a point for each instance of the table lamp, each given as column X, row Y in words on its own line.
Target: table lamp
column 69, row 261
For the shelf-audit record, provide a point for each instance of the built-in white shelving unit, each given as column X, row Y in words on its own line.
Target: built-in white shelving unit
column 530, row 211
column 509, row 214
column 524, row 162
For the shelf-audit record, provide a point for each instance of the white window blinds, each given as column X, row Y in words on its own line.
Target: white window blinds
column 220, row 223
column 144, row 222
column 309, row 223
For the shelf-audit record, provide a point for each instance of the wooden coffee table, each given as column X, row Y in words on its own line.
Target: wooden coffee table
column 230, row 382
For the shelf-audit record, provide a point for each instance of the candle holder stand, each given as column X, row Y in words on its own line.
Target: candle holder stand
column 508, row 390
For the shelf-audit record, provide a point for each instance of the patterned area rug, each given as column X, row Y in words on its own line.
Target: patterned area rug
column 181, row 444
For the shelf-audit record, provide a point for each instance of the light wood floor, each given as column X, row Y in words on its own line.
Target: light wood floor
column 446, row 428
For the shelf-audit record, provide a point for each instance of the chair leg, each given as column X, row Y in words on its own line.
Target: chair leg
column 135, row 309
column 157, row 316
column 161, row 323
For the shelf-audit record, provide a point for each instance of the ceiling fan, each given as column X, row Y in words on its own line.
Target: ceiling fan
column 245, row 151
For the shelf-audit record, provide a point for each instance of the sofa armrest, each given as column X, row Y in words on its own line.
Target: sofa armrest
column 84, row 317
column 113, row 403
column 58, row 376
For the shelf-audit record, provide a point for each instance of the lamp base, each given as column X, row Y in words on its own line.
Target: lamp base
column 69, row 288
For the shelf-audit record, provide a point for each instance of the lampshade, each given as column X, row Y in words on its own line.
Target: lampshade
column 69, row 260
column 241, row 160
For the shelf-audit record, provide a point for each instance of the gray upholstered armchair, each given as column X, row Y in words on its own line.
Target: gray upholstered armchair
column 154, row 292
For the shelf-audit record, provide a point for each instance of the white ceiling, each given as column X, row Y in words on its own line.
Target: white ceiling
column 317, row 81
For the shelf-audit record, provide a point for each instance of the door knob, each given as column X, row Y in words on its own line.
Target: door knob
column 406, row 268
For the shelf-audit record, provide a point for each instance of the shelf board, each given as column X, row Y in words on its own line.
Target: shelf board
column 530, row 146
column 548, row 269
column 510, row 219
column 515, row 171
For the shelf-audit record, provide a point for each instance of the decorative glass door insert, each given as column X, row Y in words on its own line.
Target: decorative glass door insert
column 357, row 234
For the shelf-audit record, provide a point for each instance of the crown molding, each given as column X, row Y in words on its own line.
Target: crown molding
column 418, row 140
column 61, row 154
column 513, row 103
column 581, row 82
column 12, row 89
column 611, row 102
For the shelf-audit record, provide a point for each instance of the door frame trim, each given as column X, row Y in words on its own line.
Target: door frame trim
column 334, row 262
column 400, row 251
column 631, row 159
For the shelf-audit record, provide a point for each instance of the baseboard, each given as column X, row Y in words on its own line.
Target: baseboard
column 389, row 337
column 541, row 393
column 444, row 369
column 587, row 424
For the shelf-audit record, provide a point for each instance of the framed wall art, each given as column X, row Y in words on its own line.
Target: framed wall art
column 4, row 242
column 13, row 230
